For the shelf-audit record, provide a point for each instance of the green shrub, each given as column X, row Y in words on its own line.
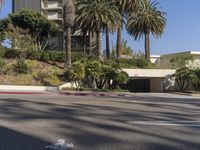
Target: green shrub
column 44, row 56
column 195, row 79
column 2, row 64
column 11, row 53
column 58, row 56
column 21, row 67
column 142, row 62
column 127, row 63
column 76, row 56
column 2, row 51
column 42, row 75
column 34, row 55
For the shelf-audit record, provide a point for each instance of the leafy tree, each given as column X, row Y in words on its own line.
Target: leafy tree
column 120, row 78
column 40, row 28
column 76, row 73
column 195, row 79
column 93, row 71
column 3, row 28
column 182, row 78
column 181, row 60
column 150, row 19
column 69, row 16
column 141, row 61
column 105, row 74
column 95, row 14
column 22, row 40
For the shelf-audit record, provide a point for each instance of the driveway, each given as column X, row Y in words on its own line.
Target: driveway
column 135, row 122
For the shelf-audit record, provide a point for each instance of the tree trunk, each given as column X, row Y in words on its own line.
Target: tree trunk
column 89, row 34
column 107, row 44
column 98, row 44
column 68, row 47
column 147, row 47
column 119, row 37
column 84, row 42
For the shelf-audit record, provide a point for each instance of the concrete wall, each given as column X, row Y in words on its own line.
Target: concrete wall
column 156, row 85
column 28, row 88
column 27, row 4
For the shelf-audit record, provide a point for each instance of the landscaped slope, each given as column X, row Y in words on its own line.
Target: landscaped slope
column 39, row 73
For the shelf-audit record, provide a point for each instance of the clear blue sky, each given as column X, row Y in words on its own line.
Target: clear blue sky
column 182, row 32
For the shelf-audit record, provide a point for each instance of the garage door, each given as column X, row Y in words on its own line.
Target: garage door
column 138, row 85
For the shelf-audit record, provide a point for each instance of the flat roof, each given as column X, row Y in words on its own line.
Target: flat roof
column 184, row 52
column 149, row 73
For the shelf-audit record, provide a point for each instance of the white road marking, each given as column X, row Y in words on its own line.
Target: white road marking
column 167, row 123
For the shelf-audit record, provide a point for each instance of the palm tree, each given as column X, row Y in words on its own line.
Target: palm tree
column 69, row 16
column 124, row 7
column 150, row 19
column 94, row 16
column 109, row 28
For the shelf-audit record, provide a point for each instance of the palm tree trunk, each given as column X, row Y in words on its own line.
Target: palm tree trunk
column 98, row 44
column 68, row 47
column 119, row 37
column 90, row 40
column 147, row 47
column 84, row 42
column 107, row 44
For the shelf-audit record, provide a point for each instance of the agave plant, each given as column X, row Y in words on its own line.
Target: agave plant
column 68, row 17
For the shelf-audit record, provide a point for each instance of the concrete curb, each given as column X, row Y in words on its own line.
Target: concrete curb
column 104, row 94
column 99, row 94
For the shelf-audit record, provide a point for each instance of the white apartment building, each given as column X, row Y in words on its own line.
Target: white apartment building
column 52, row 10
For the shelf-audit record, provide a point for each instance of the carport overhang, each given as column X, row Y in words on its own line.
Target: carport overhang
column 155, row 76
column 148, row 73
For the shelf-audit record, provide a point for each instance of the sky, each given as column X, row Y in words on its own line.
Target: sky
column 181, row 34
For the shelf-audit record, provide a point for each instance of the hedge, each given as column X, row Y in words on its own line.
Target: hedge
column 49, row 55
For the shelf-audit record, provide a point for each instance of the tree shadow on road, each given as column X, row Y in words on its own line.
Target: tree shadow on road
column 103, row 126
column 13, row 140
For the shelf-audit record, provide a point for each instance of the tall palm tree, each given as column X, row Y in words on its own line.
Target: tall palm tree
column 124, row 7
column 94, row 16
column 109, row 28
column 150, row 19
column 68, row 16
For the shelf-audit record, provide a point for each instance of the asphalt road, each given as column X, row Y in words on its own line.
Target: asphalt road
column 137, row 122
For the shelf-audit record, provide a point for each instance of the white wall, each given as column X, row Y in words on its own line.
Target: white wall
column 52, row 15
column 28, row 88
